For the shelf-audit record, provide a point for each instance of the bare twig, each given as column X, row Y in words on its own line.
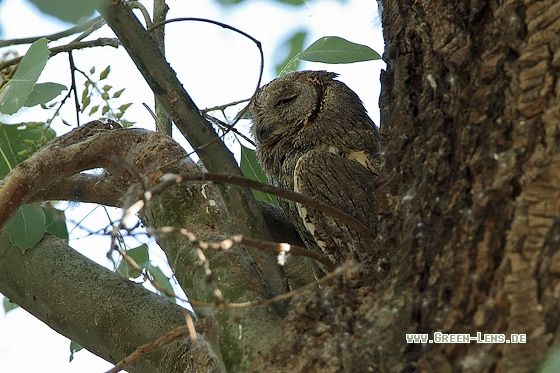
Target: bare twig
column 147, row 348
column 229, row 127
column 225, row 106
column 280, row 192
column 73, row 86
column 91, row 24
column 217, row 293
column 337, row 272
column 138, row 5
column 92, row 27
column 226, row 244
column 190, row 325
column 101, row 42
column 226, row 26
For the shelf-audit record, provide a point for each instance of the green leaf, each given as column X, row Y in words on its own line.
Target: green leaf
column 14, row 94
column 229, row 2
column 118, row 93
column 24, row 153
column 162, row 279
column 8, row 306
column 332, row 49
column 85, row 92
column 68, row 10
column 291, row 62
column 43, row 93
column 292, row 2
column 74, row 347
column 18, row 141
column 124, row 107
column 126, row 123
column 140, row 255
column 55, row 222
column 253, row 170
column 105, row 73
column 27, row 227
column 93, row 109
column 85, row 102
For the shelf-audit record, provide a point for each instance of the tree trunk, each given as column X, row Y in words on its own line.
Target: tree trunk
column 469, row 229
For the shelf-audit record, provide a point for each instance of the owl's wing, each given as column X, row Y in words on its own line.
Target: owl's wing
column 345, row 183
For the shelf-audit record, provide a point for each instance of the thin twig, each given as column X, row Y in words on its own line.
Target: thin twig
column 101, row 42
column 73, row 87
column 226, row 26
column 225, row 106
column 138, row 5
column 229, row 127
column 226, row 244
column 280, row 192
column 147, row 348
column 59, row 35
column 337, row 272
column 190, row 325
column 92, row 27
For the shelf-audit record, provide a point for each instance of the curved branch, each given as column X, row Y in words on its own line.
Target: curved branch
column 228, row 27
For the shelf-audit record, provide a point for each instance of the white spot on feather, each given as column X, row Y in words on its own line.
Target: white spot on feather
column 363, row 159
column 302, row 211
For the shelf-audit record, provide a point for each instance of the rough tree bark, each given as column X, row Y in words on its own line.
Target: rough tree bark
column 468, row 220
column 470, row 114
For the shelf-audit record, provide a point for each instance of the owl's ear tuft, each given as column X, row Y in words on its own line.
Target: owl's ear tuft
column 321, row 76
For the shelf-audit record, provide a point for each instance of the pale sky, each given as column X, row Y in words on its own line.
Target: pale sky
column 216, row 67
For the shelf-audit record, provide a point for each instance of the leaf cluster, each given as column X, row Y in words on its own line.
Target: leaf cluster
column 95, row 89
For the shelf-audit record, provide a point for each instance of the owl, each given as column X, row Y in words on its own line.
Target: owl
column 314, row 137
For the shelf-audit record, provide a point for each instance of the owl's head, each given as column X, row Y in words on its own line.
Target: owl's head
column 302, row 111
column 287, row 104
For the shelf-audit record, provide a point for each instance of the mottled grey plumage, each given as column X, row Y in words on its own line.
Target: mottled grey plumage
column 314, row 136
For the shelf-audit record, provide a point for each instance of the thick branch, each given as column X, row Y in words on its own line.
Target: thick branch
column 161, row 78
column 84, row 148
column 91, row 305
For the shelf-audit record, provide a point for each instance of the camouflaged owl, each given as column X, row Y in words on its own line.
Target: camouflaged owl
column 314, row 137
